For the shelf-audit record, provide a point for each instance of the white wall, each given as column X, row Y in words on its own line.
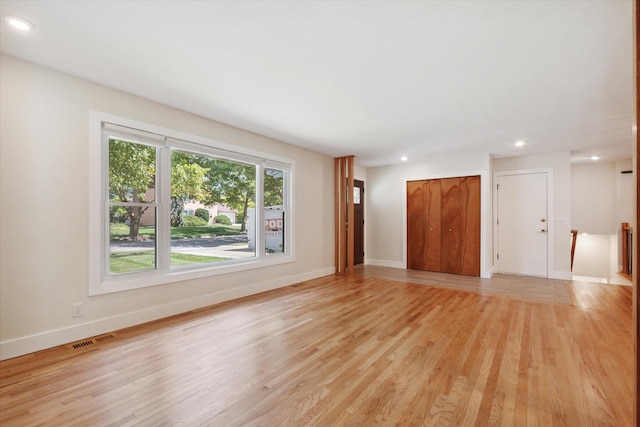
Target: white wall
column 624, row 192
column 359, row 172
column 385, row 227
column 44, row 135
column 593, row 194
column 593, row 256
column 601, row 199
column 561, row 164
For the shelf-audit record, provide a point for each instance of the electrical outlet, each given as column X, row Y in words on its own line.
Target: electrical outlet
column 76, row 309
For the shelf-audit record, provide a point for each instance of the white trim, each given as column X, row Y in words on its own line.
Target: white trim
column 100, row 117
column 551, row 273
column 96, row 205
column 490, row 272
column 589, row 279
column 562, row 275
column 385, row 263
column 32, row 343
column 259, row 213
column 152, row 278
column 163, row 216
column 484, row 202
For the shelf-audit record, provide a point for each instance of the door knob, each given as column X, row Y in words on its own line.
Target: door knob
column 543, row 220
column 543, row 230
column 449, row 229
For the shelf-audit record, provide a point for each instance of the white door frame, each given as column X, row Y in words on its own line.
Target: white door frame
column 365, row 216
column 550, row 217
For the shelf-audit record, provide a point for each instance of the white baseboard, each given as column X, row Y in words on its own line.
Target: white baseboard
column 589, row 279
column 487, row 274
column 32, row 343
column 562, row 275
column 384, row 263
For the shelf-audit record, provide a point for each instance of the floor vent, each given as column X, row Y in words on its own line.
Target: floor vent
column 102, row 338
column 82, row 344
column 91, row 341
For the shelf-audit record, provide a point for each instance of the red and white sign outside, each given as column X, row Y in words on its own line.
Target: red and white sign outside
column 274, row 221
column 273, row 227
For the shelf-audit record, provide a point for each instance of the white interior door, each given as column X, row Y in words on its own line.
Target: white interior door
column 522, row 224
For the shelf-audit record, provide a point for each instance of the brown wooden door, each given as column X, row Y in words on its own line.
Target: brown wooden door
column 358, row 222
column 423, row 225
column 461, row 225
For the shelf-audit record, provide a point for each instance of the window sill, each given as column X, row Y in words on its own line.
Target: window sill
column 145, row 279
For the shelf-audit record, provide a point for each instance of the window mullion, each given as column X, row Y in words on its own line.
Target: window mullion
column 164, row 221
column 286, row 206
column 134, row 204
column 260, row 235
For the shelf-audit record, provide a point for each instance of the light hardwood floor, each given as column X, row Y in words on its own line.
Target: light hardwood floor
column 532, row 288
column 346, row 351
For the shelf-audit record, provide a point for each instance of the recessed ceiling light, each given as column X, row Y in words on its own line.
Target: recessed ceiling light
column 403, row 158
column 520, row 143
column 595, row 157
column 19, row 23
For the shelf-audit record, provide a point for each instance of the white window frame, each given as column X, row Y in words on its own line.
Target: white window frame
column 100, row 280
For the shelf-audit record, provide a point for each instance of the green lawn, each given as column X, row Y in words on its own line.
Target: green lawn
column 208, row 231
column 123, row 262
column 121, row 231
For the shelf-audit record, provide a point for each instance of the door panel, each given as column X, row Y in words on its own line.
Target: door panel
column 461, row 225
column 522, row 224
column 417, row 212
column 433, row 226
column 423, row 225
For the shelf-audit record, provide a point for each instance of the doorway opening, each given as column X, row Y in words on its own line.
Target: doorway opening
column 358, row 222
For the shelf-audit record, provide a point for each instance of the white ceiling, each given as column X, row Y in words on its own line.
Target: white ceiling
column 375, row 79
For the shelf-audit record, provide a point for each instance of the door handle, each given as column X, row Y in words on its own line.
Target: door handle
column 543, row 230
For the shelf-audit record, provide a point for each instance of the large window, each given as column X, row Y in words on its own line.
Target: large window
column 175, row 207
